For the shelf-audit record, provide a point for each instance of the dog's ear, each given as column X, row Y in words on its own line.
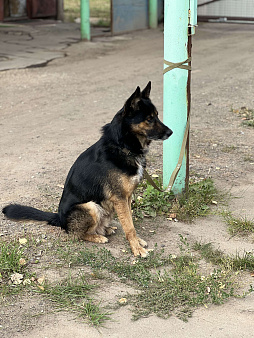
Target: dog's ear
column 146, row 91
column 132, row 103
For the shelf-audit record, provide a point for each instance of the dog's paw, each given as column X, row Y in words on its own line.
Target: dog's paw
column 139, row 251
column 142, row 242
column 110, row 230
column 102, row 240
column 96, row 238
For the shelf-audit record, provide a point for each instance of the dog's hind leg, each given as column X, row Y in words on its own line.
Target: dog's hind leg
column 84, row 223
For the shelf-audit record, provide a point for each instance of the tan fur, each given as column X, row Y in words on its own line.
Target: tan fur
column 90, row 222
column 141, row 128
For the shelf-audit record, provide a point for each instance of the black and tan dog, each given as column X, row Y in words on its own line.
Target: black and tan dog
column 103, row 178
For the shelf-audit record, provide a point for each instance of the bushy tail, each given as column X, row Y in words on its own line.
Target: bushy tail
column 18, row 212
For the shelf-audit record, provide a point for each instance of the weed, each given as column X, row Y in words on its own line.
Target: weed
column 187, row 206
column 93, row 313
column 150, row 202
column 248, row 158
column 73, row 294
column 238, row 225
column 246, row 114
column 217, row 257
column 228, row 149
column 10, row 255
column 196, row 201
column 212, row 255
column 14, row 275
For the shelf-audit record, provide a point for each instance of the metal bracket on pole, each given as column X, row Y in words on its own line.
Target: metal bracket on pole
column 192, row 17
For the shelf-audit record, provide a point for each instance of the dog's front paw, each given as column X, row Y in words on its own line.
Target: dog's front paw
column 139, row 251
column 142, row 242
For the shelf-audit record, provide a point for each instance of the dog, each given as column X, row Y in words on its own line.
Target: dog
column 103, row 178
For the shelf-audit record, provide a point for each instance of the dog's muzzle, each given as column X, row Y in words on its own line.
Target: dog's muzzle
column 167, row 134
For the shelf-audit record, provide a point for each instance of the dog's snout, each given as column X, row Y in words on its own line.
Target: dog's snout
column 167, row 134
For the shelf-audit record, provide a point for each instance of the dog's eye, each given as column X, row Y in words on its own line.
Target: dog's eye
column 150, row 119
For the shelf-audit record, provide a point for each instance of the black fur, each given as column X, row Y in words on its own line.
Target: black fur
column 121, row 149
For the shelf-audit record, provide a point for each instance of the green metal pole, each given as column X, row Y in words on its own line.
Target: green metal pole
column 85, row 20
column 153, row 13
column 175, row 88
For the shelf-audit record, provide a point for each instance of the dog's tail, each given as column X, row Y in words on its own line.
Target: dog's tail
column 19, row 212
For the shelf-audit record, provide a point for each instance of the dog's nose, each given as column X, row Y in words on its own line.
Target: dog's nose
column 167, row 134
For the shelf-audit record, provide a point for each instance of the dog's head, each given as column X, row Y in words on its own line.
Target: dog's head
column 142, row 117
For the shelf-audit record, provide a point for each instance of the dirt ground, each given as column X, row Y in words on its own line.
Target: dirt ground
column 49, row 115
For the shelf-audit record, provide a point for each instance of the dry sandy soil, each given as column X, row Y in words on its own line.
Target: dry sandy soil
column 49, row 115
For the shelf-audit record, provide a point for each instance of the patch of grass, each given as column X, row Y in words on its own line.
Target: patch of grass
column 207, row 251
column 217, row 257
column 228, row 149
column 187, row 206
column 12, row 262
column 98, row 9
column 10, row 255
column 182, row 290
column 166, row 284
column 150, row 202
column 248, row 158
column 249, row 123
column 246, row 114
column 197, row 201
column 93, row 312
column 238, row 225
column 72, row 294
column 102, row 259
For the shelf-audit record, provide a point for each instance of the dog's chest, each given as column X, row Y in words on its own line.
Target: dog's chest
column 138, row 177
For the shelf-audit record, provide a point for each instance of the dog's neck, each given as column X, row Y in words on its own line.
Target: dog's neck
column 131, row 154
column 144, row 142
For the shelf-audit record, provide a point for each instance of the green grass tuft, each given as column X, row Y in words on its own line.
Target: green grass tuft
column 217, row 257
column 196, row 202
column 238, row 225
column 150, row 202
column 73, row 294
column 247, row 116
column 10, row 255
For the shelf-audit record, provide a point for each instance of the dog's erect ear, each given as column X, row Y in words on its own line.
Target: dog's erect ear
column 132, row 103
column 146, row 91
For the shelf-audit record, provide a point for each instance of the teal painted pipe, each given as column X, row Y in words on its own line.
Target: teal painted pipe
column 175, row 88
column 153, row 13
column 85, row 20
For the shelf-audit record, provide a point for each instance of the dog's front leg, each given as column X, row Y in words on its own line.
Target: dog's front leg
column 123, row 211
column 141, row 241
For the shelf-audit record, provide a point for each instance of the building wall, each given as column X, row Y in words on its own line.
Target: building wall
column 226, row 8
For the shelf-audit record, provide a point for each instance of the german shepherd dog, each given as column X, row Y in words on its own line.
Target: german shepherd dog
column 103, row 178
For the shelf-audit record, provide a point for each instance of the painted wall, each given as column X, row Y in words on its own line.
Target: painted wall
column 226, row 8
